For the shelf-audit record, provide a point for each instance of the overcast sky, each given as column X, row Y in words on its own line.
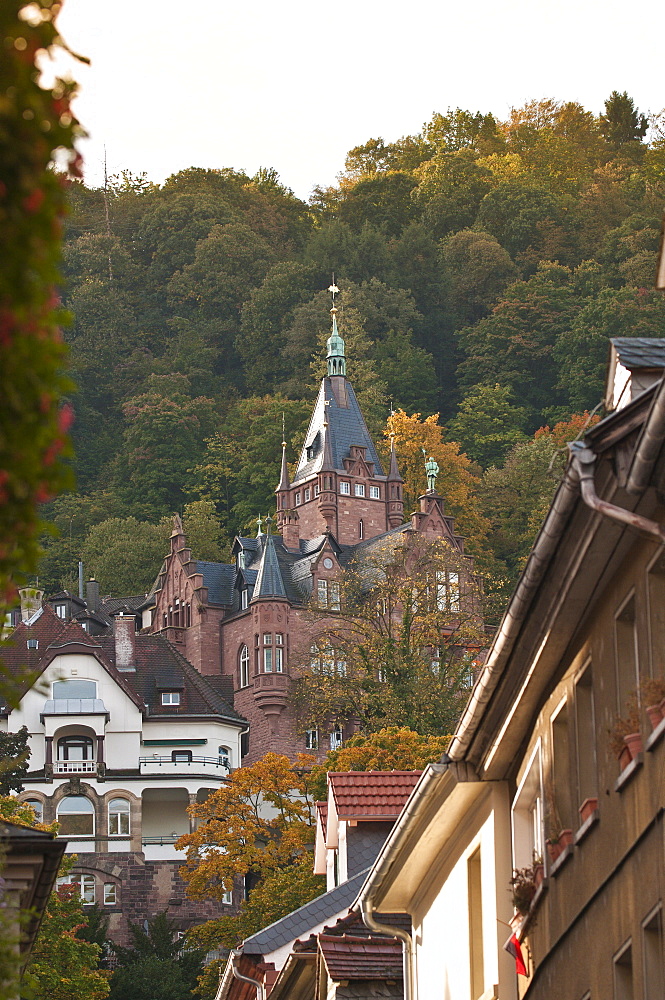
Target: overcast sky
column 295, row 85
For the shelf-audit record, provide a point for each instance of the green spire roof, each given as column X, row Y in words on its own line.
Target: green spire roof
column 336, row 359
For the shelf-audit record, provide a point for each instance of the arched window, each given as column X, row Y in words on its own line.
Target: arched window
column 118, row 817
column 38, row 807
column 75, row 748
column 74, row 688
column 361, row 529
column 76, row 816
column 244, row 667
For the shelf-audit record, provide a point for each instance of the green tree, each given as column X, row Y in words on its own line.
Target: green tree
column 477, row 269
column 157, row 966
column 461, row 129
column 400, row 649
column 488, row 424
column 451, row 188
column 622, row 123
column 124, row 554
column 14, row 757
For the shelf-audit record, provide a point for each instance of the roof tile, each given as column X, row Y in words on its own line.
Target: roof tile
column 371, row 794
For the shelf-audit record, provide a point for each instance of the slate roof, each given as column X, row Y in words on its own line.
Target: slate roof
column 640, row 352
column 219, row 578
column 269, row 582
column 157, row 663
column 349, row 957
column 303, row 920
column 371, row 794
column 346, row 427
column 111, row 605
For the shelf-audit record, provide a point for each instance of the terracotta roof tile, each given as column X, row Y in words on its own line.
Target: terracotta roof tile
column 348, row 957
column 322, row 810
column 371, row 794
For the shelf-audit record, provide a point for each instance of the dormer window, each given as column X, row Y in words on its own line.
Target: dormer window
column 374, row 493
column 359, row 489
column 170, row 697
column 61, row 610
column 345, row 488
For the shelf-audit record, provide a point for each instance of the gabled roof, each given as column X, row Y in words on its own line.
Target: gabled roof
column 345, row 427
column 349, row 957
column 371, row 794
column 640, row 352
column 305, row 919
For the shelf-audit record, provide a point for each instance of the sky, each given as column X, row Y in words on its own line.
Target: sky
column 295, row 85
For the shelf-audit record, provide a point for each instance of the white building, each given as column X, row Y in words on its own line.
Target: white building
column 124, row 735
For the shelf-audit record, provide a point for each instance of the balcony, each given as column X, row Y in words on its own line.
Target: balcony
column 184, row 765
column 74, row 767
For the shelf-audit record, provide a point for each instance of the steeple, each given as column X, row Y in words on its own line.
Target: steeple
column 269, row 582
column 335, row 358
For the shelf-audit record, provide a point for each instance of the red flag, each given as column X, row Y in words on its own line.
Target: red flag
column 512, row 946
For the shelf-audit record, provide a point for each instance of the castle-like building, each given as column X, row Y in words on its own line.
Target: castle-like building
column 249, row 620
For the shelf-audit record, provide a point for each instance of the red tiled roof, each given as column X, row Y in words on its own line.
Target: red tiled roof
column 15, row 653
column 371, row 794
column 322, row 809
column 349, row 957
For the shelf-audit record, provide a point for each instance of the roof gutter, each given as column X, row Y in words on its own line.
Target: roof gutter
column 513, row 619
column 649, row 444
column 366, row 900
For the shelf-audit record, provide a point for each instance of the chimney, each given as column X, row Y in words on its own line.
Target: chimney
column 124, row 633
column 291, row 530
column 92, row 594
column 31, row 601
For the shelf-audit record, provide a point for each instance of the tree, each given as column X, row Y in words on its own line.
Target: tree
column 391, row 748
column 258, row 826
column 488, row 424
column 477, row 269
column 622, row 123
column 124, row 554
column 35, row 121
column 400, row 649
column 158, row 966
column 457, row 480
column 14, row 757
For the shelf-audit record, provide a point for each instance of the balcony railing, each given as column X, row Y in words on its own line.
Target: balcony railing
column 75, row 766
column 179, row 764
column 166, row 839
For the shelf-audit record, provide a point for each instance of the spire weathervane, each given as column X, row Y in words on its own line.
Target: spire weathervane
column 335, row 355
column 333, row 289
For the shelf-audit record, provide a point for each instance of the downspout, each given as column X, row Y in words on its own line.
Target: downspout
column 584, row 460
column 367, row 913
column 260, row 988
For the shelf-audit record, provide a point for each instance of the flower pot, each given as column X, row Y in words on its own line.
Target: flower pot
column 554, row 849
column 655, row 715
column 565, row 838
column 634, row 743
column 587, row 808
column 538, row 874
column 624, row 758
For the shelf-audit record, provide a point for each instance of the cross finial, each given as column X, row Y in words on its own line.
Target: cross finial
column 283, row 432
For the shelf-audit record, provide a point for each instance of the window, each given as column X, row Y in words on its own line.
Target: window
column 181, row 756
column 76, row 817
column 311, row 739
column 298, row 499
column 336, row 738
column 652, row 951
column 527, row 815
column 61, row 610
column 244, row 599
column 279, row 653
column 558, row 805
column 79, row 748
column 110, row 894
column 359, row 489
column 74, row 688
column 585, row 729
column 475, row 899
column 170, row 697
column 267, row 660
column 84, row 884
column 623, row 973
column 333, row 597
column 625, row 639
column 322, row 593
column 227, row 898
column 307, row 494
column 656, row 596
column 361, row 529
column 38, row 808
column 224, row 755
column 317, row 489
column 118, row 817
column 244, row 666
column 345, row 488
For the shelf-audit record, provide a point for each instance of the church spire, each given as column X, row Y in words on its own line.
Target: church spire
column 284, row 480
column 335, row 346
column 269, row 582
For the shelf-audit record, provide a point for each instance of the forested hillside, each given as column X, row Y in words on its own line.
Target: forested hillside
column 483, row 265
